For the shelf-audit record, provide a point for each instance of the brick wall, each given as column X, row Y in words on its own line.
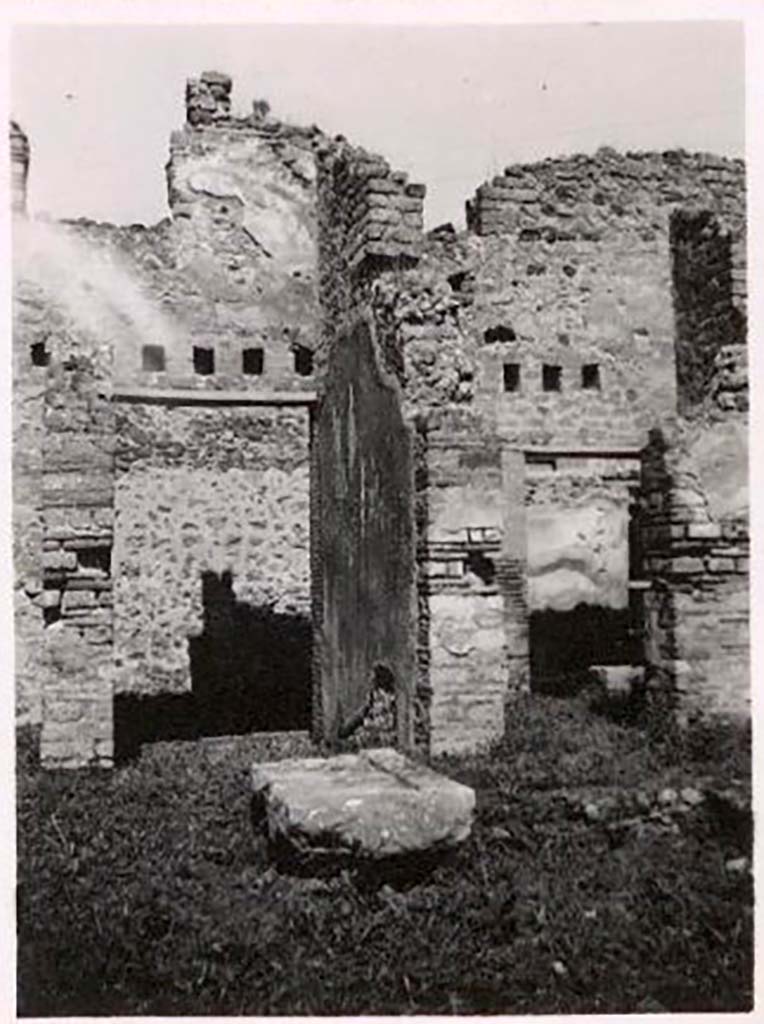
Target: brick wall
column 473, row 568
column 370, row 222
column 77, row 495
column 696, row 555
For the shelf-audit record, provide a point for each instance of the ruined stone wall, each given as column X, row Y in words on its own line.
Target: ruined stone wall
column 518, row 368
column 471, row 628
column 225, row 288
column 228, row 277
column 370, row 223
column 78, row 515
column 592, row 197
column 574, row 264
column 472, row 566
column 30, row 316
column 709, row 289
column 696, row 557
column 597, row 294
column 363, row 497
column 62, row 324
column 695, row 483
column 64, row 442
column 203, row 490
column 574, row 340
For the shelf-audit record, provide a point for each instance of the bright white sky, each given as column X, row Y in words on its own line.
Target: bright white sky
column 450, row 105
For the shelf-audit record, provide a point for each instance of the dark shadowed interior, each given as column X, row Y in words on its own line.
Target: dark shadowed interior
column 250, row 672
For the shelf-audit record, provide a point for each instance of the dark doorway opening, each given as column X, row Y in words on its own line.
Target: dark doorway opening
column 564, row 644
column 250, row 672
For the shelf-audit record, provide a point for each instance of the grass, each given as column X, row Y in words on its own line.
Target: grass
column 146, row 891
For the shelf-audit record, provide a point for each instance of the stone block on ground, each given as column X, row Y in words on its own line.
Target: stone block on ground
column 373, row 805
column 618, row 680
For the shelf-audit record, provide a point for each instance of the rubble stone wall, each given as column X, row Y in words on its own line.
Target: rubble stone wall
column 234, row 266
column 618, row 263
column 518, row 367
column 592, row 197
column 552, row 312
column 203, row 490
column 29, row 316
column 709, row 289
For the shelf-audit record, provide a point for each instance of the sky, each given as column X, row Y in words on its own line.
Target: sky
column 451, row 105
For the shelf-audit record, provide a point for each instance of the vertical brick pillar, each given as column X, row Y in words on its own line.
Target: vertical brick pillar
column 464, row 608
column 78, row 515
column 696, row 612
column 512, row 570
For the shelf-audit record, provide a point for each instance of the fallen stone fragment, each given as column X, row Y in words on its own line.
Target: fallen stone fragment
column 737, row 865
column 618, row 680
column 668, row 796
column 375, row 804
column 691, row 796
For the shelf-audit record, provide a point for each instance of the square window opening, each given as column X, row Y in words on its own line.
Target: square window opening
column 590, row 376
column 511, row 376
column 253, row 361
column 40, row 354
column 303, row 361
column 204, row 360
column 551, row 378
column 152, row 358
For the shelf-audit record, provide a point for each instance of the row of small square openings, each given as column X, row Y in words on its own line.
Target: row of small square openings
column 252, row 360
column 551, row 377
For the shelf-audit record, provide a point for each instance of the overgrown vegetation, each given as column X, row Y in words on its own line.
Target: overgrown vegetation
column 146, row 891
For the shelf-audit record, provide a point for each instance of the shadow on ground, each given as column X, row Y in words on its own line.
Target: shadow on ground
column 250, row 672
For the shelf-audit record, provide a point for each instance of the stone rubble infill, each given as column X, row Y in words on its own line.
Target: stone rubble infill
column 657, row 803
column 373, row 805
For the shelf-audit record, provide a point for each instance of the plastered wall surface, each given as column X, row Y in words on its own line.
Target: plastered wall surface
column 577, row 515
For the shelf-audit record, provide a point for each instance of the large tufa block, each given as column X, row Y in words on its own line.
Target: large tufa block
column 372, row 805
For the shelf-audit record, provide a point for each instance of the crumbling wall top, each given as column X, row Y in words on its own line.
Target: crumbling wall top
column 589, row 196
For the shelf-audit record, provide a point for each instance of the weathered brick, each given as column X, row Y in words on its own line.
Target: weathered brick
column 687, row 564
column 59, row 559
column 720, row 564
column 74, row 599
column 704, row 531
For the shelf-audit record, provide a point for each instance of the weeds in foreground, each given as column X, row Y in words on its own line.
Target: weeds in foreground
column 146, row 891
